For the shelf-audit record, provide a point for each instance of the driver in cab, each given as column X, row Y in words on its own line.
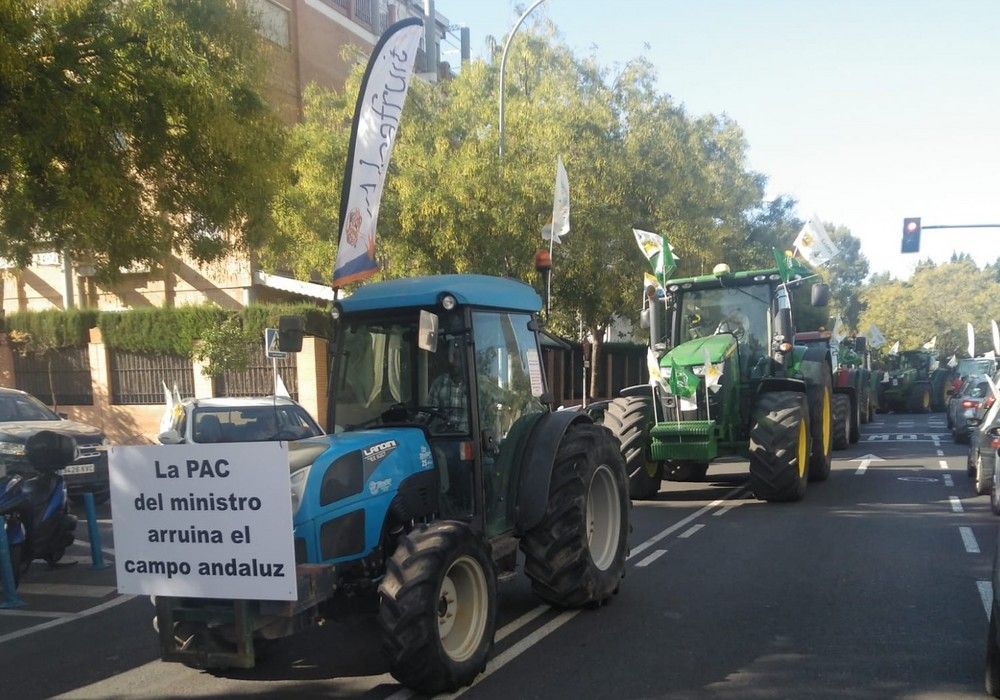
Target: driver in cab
column 448, row 392
column 735, row 322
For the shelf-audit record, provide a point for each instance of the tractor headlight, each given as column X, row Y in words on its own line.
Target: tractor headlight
column 299, row 479
column 14, row 449
column 448, row 302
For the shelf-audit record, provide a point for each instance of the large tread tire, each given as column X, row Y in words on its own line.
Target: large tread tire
column 438, row 606
column 995, row 497
column 576, row 555
column 993, row 657
column 779, row 446
column 864, row 401
column 982, row 487
column 841, row 421
column 628, row 419
column 855, row 417
column 820, row 397
column 685, row 471
column 919, row 399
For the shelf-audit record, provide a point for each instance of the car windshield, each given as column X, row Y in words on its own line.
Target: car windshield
column 18, row 407
column 971, row 366
column 262, row 423
column 385, row 377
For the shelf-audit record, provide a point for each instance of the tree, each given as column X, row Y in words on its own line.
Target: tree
column 846, row 274
column 132, row 129
column 634, row 157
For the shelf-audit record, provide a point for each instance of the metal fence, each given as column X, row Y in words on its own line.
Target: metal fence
column 137, row 377
column 70, row 369
column 364, row 11
column 258, row 378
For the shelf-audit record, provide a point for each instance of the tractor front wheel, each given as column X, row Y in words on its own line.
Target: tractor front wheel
column 628, row 420
column 779, row 446
column 438, row 605
column 820, row 398
column 576, row 555
column 841, row 421
column 919, row 399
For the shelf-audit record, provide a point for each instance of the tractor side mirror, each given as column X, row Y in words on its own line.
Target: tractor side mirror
column 820, row 294
column 860, row 344
column 290, row 332
column 48, row 450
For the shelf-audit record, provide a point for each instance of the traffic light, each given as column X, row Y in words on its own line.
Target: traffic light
column 911, row 234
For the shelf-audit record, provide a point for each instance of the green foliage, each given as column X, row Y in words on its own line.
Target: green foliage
column 938, row 300
column 133, row 129
column 39, row 331
column 227, row 346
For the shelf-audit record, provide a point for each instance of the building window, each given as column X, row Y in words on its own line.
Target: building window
column 272, row 21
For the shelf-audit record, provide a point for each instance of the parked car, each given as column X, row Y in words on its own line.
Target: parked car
column 962, row 405
column 22, row 415
column 262, row 419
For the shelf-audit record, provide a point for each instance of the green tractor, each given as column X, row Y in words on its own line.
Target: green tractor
column 771, row 403
column 443, row 460
column 910, row 382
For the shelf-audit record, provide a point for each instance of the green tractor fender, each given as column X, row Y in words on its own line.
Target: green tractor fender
column 536, row 470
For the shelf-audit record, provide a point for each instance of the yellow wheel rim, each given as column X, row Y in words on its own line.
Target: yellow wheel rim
column 827, row 421
column 926, row 401
column 803, row 443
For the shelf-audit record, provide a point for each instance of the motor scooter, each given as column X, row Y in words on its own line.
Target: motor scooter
column 33, row 503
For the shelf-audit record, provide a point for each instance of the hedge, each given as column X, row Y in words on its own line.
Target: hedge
column 53, row 328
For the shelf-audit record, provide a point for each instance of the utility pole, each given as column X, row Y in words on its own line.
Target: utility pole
column 503, row 64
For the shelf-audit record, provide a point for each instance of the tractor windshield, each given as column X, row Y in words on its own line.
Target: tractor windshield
column 384, row 377
column 742, row 311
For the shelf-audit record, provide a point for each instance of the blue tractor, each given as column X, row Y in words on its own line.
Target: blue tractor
column 444, row 459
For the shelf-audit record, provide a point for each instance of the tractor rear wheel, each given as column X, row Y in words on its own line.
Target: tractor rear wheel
column 855, row 417
column 841, row 421
column 438, row 606
column 779, row 446
column 576, row 555
column 685, row 471
column 628, row 420
column 820, row 397
column 919, row 399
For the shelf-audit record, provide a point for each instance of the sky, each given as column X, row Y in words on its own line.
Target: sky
column 865, row 112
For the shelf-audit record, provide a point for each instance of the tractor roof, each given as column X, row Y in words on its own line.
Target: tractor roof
column 471, row 290
column 735, row 279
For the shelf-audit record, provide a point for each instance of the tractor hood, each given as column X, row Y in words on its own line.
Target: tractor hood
column 692, row 352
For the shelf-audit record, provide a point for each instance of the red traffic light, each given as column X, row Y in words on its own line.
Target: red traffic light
column 911, row 235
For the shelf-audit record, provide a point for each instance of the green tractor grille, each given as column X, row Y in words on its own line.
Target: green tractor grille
column 687, row 440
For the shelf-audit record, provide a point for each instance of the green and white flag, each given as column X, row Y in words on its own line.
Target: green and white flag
column 931, row 344
column 683, row 382
column 996, row 337
column 953, row 362
column 712, row 372
column 814, row 243
column 656, row 377
column 875, row 337
column 894, row 350
column 653, row 246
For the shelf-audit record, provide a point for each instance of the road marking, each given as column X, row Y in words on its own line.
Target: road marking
column 943, row 463
column 66, row 589
column 498, row 662
column 948, row 482
column 725, row 509
column 652, row 557
column 969, row 540
column 513, row 626
column 640, row 548
column 940, row 453
column 69, row 618
column 986, row 595
column 956, row 505
column 865, row 461
column 690, row 531
column 34, row 613
column 862, row 469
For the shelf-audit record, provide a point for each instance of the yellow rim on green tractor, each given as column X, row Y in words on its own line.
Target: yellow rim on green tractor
column 803, row 444
column 925, row 400
column 827, row 421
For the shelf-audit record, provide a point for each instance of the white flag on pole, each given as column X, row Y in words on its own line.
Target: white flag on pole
column 875, row 337
column 971, row 332
column 839, row 332
column 894, row 350
column 953, row 362
column 167, row 419
column 814, row 243
column 996, row 337
column 931, row 344
column 560, row 206
column 712, row 372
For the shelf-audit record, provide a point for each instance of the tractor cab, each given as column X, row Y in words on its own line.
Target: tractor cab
column 455, row 357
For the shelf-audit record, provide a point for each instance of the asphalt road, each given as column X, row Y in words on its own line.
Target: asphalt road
column 874, row 586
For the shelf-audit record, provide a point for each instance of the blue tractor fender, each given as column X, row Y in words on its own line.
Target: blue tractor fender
column 536, row 472
column 352, row 486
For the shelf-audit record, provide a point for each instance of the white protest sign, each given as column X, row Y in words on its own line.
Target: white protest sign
column 203, row 521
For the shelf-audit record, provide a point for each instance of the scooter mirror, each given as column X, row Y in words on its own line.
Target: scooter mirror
column 48, row 450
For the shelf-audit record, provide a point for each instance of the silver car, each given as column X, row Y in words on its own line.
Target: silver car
column 963, row 405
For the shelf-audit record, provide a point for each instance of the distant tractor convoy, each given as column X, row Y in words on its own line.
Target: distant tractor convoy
column 772, row 402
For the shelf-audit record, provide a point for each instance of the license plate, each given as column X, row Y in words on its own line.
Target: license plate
column 78, row 469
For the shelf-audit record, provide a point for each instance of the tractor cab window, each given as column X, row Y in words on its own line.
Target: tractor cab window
column 741, row 311
column 508, row 375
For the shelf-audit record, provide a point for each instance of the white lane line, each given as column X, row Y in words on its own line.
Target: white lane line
column 640, row 548
column 956, row 505
column 690, row 531
column 986, row 595
column 943, row 464
column 63, row 620
column 513, row 626
column 940, row 453
column 33, row 613
column 498, row 662
column 725, row 509
column 948, row 481
column 969, row 540
column 66, row 589
column 862, row 469
column 652, row 557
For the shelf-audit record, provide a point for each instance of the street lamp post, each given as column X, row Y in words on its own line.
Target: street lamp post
column 503, row 63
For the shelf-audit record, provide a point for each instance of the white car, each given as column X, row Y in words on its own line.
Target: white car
column 263, row 419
